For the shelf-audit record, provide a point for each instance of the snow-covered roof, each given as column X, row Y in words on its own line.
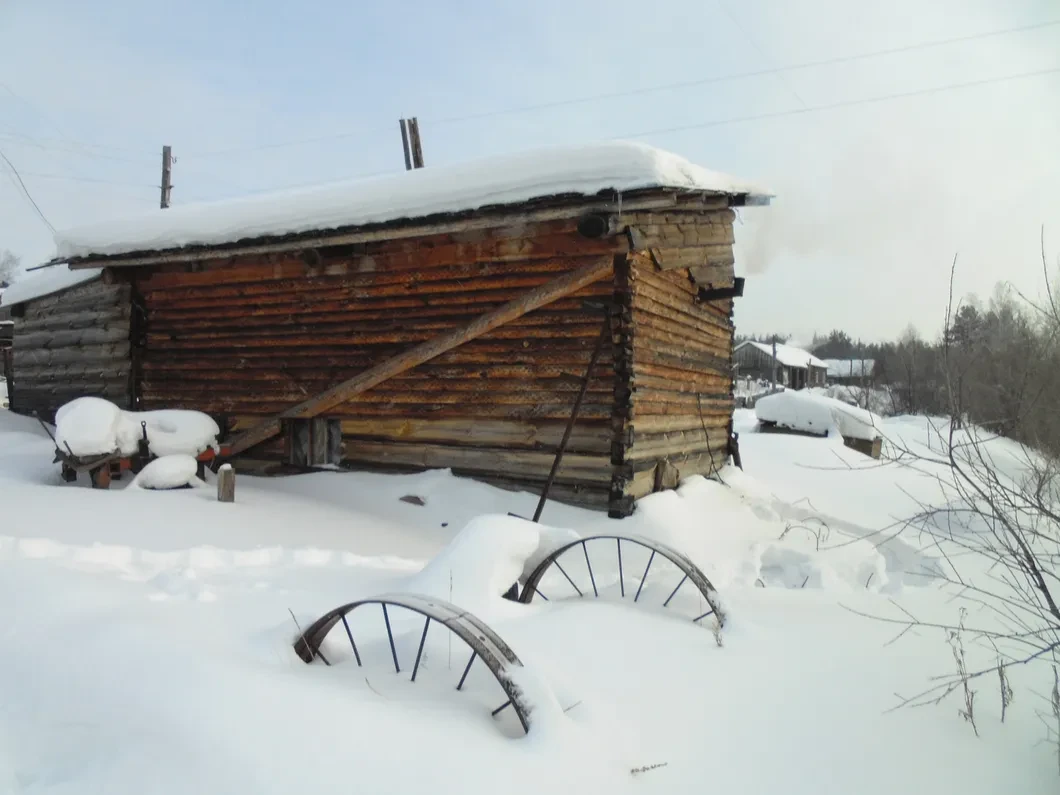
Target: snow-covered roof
column 509, row 179
column 45, row 282
column 847, row 368
column 787, row 355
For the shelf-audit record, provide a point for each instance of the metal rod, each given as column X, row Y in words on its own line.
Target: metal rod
column 390, row 634
column 589, row 566
column 575, row 587
column 419, row 652
column 621, row 581
column 542, row 595
column 605, row 333
column 644, row 576
column 708, row 613
column 467, row 668
column 497, row 711
column 349, row 635
column 671, row 596
column 320, row 654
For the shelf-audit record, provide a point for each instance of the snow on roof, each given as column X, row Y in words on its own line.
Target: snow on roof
column 847, row 368
column 787, row 355
column 45, row 282
column 586, row 170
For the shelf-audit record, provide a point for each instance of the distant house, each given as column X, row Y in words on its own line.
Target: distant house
column 860, row 372
column 796, row 368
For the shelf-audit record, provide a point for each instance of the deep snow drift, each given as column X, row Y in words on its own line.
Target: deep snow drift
column 145, row 640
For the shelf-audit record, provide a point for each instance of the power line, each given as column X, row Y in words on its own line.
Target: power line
column 26, row 192
column 773, row 70
column 844, row 103
column 70, row 178
column 55, row 145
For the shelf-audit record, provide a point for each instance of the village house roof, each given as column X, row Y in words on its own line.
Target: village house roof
column 46, row 281
column 559, row 172
column 787, row 355
column 850, row 368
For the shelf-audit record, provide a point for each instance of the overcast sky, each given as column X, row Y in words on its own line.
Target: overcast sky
column 873, row 199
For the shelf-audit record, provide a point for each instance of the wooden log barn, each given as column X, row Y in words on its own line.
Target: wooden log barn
column 451, row 317
column 71, row 336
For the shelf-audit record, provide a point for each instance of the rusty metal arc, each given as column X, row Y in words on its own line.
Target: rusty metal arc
column 689, row 569
column 485, row 643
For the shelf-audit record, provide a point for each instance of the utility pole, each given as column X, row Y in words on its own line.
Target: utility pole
column 774, row 362
column 167, row 175
column 410, row 143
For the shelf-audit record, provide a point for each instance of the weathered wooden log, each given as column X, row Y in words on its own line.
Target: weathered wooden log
column 87, row 354
column 585, row 437
column 87, row 318
column 717, row 256
column 74, row 338
column 575, row 468
column 341, row 393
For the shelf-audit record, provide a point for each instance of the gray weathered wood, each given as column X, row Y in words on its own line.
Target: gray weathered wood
column 539, row 296
column 226, row 484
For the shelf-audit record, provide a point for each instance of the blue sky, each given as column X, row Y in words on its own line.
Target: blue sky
column 873, row 200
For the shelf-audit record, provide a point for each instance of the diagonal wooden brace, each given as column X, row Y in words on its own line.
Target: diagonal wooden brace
column 536, row 298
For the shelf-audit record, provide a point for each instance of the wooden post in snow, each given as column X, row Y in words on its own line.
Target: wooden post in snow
column 774, row 362
column 226, row 484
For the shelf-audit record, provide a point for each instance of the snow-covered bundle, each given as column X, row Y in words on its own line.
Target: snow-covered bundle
column 93, row 426
column 804, row 411
column 169, row 472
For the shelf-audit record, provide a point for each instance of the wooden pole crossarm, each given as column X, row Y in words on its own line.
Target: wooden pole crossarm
column 536, row 298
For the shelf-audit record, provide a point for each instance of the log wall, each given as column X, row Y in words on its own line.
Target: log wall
column 248, row 339
column 677, row 417
column 72, row 344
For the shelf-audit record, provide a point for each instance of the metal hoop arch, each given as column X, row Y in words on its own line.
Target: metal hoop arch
column 688, row 568
column 484, row 642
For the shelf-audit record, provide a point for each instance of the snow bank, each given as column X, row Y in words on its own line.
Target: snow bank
column 803, row 411
column 480, row 564
column 45, row 282
column 586, row 170
column 169, row 472
column 94, row 426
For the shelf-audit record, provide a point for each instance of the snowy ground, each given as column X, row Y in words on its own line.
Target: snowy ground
column 145, row 640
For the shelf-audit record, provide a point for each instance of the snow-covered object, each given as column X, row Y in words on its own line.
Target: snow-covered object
column 480, row 564
column 787, row 355
column 168, row 472
column 549, row 540
column 94, row 426
column 586, row 170
column 803, row 411
column 46, row 282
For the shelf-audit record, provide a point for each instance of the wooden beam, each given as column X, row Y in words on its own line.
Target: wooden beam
column 534, row 299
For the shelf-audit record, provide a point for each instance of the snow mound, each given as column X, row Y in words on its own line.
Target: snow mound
column 46, row 282
column 93, row 426
column 803, row 411
column 480, row 564
column 507, row 179
column 169, row 472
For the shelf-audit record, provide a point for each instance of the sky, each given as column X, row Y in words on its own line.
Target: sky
column 874, row 196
